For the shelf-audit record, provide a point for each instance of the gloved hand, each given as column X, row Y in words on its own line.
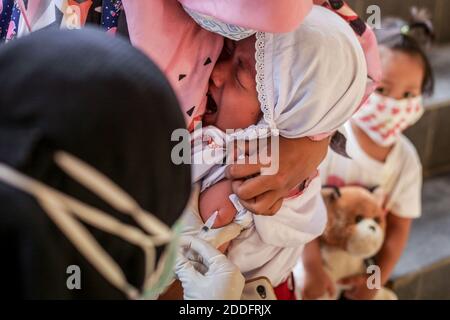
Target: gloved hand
column 207, row 274
column 192, row 224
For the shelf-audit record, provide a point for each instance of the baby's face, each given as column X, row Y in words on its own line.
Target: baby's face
column 402, row 74
column 232, row 97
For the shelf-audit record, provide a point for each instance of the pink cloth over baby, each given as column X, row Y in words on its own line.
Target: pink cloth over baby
column 261, row 15
column 185, row 52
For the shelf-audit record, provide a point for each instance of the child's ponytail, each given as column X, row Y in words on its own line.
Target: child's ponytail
column 413, row 37
column 421, row 27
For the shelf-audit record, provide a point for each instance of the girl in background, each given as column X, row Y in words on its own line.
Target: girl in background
column 380, row 154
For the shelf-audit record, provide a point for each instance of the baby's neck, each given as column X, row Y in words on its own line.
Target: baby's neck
column 372, row 149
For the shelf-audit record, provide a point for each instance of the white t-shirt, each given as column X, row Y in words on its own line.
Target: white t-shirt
column 400, row 176
column 273, row 245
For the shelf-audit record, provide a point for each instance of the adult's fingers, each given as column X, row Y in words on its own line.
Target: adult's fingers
column 242, row 171
column 204, row 249
column 185, row 241
column 353, row 294
column 353, row 281
column 199, row 255
column 189, row 259
column 264, row 205
column 311, row 294
column 251, row 188
column 218, row 237
column 183, row 265
column 349, row 281
column 277, row 206
column 184, row 269
column 235, row 184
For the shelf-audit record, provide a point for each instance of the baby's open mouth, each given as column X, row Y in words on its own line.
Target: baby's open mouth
column 211, row 112
column 211, row 106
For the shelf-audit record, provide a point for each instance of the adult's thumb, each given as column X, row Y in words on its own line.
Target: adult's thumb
column 204, row 249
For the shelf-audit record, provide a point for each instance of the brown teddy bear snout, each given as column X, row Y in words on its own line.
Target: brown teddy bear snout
column 355, row 220
column 366, row 238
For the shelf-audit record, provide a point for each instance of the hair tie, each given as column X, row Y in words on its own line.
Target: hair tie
column 405, row 30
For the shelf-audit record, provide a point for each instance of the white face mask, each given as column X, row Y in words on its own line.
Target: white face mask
column 229, row 31
column 383, row 119
column 67, row 212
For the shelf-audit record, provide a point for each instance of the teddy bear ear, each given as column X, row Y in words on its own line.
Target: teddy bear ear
column 331, row 193
column 379, row 195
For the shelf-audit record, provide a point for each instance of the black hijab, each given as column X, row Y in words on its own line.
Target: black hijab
column 99, row 99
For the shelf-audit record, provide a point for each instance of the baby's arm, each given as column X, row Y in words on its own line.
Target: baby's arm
column 216, row 199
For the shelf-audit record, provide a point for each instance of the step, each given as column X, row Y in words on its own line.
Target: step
column 424, row 268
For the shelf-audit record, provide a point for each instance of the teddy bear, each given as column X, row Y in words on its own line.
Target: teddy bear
column 355, row 233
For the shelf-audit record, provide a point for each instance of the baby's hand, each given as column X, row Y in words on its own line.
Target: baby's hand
column 317, row 285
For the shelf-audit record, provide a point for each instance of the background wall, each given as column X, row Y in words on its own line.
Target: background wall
column 440, row 10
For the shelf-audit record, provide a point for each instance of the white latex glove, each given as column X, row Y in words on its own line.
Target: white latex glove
column 207, row 274
column 192, row 224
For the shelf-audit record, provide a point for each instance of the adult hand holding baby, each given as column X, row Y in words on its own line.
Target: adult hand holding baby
column 264, row 194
